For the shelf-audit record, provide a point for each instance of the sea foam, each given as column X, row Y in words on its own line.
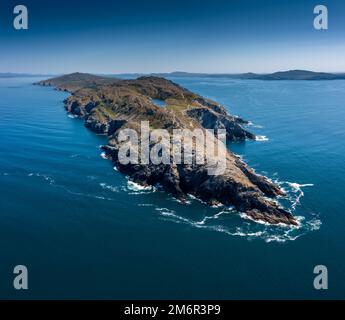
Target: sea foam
column 261, row 138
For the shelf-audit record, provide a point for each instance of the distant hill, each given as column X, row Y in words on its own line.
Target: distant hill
column 281, row 75
column 300, row 75
column 75, row 81
column 22, row 75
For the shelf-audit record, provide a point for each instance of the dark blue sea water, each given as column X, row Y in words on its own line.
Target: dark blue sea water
column 83, row 231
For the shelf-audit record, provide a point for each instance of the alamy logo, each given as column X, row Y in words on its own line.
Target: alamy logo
column 321, row 280
column 21, row 276
column 20, row 282
column 180, row 146
column 21, row 18
column 321, row 20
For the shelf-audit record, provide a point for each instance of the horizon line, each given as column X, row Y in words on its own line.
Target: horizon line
column 162, row 72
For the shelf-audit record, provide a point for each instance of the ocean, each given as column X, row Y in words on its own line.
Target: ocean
column 84, row 231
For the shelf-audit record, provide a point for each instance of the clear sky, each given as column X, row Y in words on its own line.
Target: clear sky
column 219, row 36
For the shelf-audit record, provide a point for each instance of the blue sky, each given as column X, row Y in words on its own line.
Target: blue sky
column 161, row 36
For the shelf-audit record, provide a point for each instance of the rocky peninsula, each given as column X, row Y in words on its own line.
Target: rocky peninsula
column 109, row 104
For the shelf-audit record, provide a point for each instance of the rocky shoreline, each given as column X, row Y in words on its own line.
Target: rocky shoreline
column 108, row 105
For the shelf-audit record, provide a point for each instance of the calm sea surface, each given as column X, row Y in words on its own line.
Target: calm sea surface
column 84, row 231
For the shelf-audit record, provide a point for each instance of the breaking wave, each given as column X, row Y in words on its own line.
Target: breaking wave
column 104, row 156
column 234, row 223
column 251, row 124
column 297, row 189
column 136, row 188
column 109, row 187
column 53, row 183
column 261, row 138
column 45, row 177
column 217, row 218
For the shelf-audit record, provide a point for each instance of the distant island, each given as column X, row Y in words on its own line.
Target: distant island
column 108, row 105
column 281, row 75
column 22, row 75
